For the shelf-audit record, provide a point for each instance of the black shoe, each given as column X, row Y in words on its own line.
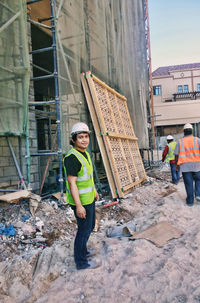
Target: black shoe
column 90, row 265
column 94, row 264
column 189, row 204
column 91, row 252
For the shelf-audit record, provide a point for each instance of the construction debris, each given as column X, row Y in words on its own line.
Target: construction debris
column 40, row 254
column 159, row 234
column 16, row 196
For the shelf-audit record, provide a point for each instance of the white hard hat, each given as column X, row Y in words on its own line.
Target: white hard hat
column 169, row 137
column 80, row 127
column 188, row 126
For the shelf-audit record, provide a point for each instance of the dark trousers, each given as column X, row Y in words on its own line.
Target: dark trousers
column 192, row 185
column 85, row 227
column 175, row 173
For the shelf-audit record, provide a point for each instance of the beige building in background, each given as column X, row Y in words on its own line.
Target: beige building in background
column 176, row 97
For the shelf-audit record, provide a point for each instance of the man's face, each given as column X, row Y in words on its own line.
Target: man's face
column 82, row 141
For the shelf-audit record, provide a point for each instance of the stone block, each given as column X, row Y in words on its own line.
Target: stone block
column 35, row 160
column 9, row 171
column 4, row 161
column 14, row 142
column 31, row 116
column 32, row 178
column 33, row 134
column 34, row 168
column 36, row 177
column 3, row 142
column 32, row 125
column 4, row 184
column 14, row 183
column 6, row 151
column 35, row 186
column 34, row 143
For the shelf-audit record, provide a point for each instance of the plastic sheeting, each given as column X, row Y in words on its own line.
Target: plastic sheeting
column 108, row 38
column 14, row 67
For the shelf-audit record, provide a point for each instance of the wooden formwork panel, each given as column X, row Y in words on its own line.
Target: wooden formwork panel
column 99, row 137
column 118, row 135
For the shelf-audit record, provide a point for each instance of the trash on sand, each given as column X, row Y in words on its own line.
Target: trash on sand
column 159, row 234
column 7, row 230
column 121, row 230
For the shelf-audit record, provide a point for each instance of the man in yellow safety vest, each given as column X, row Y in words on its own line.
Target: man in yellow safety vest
column 169, row 157
column 81, row 193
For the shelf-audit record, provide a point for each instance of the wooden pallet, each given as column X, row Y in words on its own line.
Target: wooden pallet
column 119, row 140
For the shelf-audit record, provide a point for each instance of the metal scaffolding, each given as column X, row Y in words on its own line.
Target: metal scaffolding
column 53, row 75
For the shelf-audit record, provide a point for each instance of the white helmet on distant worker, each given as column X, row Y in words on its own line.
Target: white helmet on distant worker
column 79, row 127
column 188, row 126
column 169, row 137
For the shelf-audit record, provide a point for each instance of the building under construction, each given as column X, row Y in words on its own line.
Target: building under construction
column 45, row 46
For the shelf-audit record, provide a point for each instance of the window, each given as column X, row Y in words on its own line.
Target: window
column 157, row 90
column 186, row 89
column 180, row 89
column 198, row 87
column 183, row 89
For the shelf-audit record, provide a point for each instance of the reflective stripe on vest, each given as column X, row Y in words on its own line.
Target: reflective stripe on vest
column 85, row 176
column 86, row 190
column 188, row 150
column 170, row 155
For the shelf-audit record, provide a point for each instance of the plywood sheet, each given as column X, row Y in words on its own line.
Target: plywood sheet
column 118, row 135
column 159, row 234
column 16, row 196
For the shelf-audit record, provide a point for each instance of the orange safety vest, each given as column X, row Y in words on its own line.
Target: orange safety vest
column 189, row 150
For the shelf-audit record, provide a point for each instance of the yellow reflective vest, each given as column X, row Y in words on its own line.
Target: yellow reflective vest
column 85, row 181
column 170, row 155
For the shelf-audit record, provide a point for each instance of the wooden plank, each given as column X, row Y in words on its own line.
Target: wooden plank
column 107, row 87
column 99, row 137
column 134, row 184
column 122, row 137
column 105, row 137
column 16, row 196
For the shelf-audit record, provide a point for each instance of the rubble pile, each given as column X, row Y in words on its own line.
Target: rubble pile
column 21, row 232
column 36, row 245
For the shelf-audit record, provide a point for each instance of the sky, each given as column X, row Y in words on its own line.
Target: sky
column 174, row 32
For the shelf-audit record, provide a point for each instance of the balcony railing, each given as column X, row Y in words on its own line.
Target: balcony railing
column 189, row 95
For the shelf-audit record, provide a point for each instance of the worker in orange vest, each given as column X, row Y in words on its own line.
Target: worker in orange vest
column 187, row 156
column 169, row 157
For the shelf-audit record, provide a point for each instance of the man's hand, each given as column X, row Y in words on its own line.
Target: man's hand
column 97, row 196
column 80, row 212
column 177, row 167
